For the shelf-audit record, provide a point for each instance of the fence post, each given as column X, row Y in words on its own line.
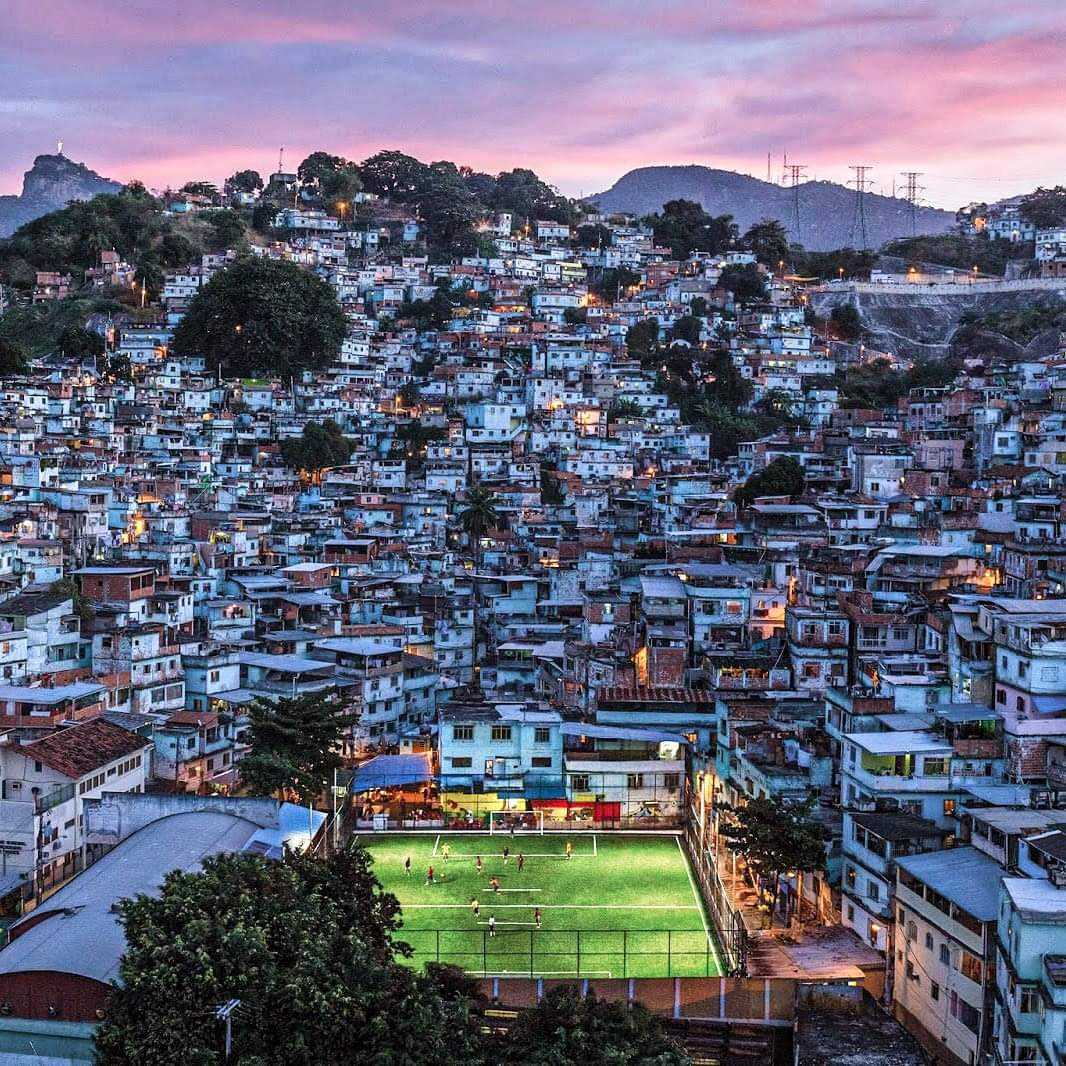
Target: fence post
column 530, row 952
column 578, row 973
column 438, row 945
column 484, row 952
column 669, row 954
column 625, row 952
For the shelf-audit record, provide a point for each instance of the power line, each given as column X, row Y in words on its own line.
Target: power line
column 911, row 195
column 862, row 185
column 795, row 175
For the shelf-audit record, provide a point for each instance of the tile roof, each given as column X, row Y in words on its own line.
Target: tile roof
column 79, row 750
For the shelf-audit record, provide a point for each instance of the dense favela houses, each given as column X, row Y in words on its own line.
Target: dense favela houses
column 579, row 529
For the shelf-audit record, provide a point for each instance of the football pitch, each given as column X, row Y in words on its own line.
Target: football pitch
column 620, row 906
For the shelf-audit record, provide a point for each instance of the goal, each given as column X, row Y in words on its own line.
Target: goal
column 504, row 822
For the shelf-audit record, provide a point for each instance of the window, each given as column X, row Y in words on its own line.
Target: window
column 934, row 991
column 928, row 941
column 37, row 767
column 970, row 966
column 501, row 732
column 462, row 732
column 542, row 761
column 873, row 890
column 634, row 781
column 671, row 782
column 949, row 808
column 851, row 913
column 542, row 735
column 1027, row 1001
column 579, row 782
column 462, row 762
column 936, row 767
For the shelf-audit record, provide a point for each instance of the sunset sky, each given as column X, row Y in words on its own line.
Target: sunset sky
column 971, row 92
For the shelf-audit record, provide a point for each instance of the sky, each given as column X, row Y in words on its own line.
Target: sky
column 969, row 92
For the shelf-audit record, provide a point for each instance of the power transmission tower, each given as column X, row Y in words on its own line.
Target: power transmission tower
column 795, row 175
column 912, row 195
column 862, row 185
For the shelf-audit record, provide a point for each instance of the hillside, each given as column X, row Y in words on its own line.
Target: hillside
column 51, row 183
column 827, row 210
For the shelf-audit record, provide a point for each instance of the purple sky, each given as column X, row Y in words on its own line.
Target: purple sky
column 971, row 92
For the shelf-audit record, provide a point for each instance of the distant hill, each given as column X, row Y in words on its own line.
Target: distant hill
column 51, row 183
column 827, row 210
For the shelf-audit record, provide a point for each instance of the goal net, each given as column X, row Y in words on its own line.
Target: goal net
column 505, row 822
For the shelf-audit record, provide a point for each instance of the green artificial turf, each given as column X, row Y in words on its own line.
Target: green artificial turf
column 622, row 906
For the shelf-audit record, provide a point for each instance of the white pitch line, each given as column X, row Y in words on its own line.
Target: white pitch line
column 595, row 849
column 567, row 907
column 499, row 924
column 496, row 891
column 696, row 895
column 436, row 843
column 540, row 973
column 486, row 855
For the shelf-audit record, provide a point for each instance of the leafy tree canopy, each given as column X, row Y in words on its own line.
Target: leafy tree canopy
column 295, row 745
column 614, row 281
column 565, row 1029
column 775, row 838
column 80, row 342
column 685, row 227
column 245, row 181
column 745, row 282
column 782, row 477
column 768, row 239
column 847, row 322
column 959, row 251
column 642, row 338
column 1045, row 208
column 13, row 359
column 261, row 317
column 321, row 445
column 306, row 946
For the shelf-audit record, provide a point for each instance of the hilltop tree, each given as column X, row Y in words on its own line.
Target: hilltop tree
column 746, row 283
column 393, row 174
column 295, row 745
column 320, row 446
column 245, row 181
column 685, row 227
column 768, row 239
column 782, row 477
column 261, row 317
column 307, row 947
column 201, row 188
column 1045, row 208
column 775, row 838
column 568, row 1029
column 614, row 281
column 525, row 195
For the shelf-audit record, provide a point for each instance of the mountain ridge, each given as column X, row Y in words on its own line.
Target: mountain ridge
column 827, row 209
column 50, row 184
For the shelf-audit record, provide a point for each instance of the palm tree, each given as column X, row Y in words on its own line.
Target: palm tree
column 478, row 516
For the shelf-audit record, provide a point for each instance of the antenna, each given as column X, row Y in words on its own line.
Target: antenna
column 281, row 160
column 912, row 196
column 862, row 186
column 768, row 167
column 795, row 175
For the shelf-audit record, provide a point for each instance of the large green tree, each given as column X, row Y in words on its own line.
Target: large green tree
column 262, row 317
column 245, row 181
column 568, row 1029
column 768, row 239
column 781, row 477
column 685, row 227
column 1045, row 208
column 746, row 282
column 321, row 445
column 295, row 745
column 306, row 946
column 479, row 514
column 775, row 838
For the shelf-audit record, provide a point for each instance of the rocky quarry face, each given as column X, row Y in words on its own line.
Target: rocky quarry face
column 923, row 325
column 51, row 183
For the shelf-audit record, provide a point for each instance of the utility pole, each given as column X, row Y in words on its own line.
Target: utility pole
column 911, row 195
column 224, row 1013
column 795, row 175
column 862, row 185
